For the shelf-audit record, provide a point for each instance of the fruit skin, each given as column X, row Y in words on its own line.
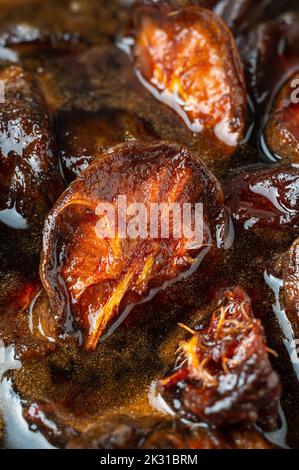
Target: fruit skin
column 225, row 377
column 265, row 199
column 188, row 59
column 92, row 280
column 30, row 181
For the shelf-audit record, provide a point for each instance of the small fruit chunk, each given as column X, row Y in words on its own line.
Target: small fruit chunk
column 94, row 278
column 226, row 376
column 188, row 59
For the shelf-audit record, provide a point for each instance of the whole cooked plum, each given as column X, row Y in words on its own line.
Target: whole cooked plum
column 94, row 269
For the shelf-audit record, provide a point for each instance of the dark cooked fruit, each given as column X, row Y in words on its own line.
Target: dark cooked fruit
column 282, row 130
column 265, row 198
column 29, row 177
column 226, row 376
column 97, row 277
column 84, row 135
column 188, row 59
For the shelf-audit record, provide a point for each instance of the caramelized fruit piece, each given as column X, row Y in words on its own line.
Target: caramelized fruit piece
column 270, row 54
column 265, row 198
column 29, row 178
column 188, row 60
column 123, row 432
column 226, row 376
column 282, row 130
column 83, row 136
column 95, row 278
column 290, row 273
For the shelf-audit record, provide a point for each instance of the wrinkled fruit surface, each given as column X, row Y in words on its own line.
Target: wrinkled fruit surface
column 188, row 59
column 95, row 278
column 226, row 376
column 29, row 179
